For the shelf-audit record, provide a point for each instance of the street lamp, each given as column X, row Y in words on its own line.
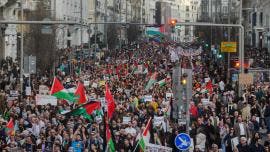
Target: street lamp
column 22, row 53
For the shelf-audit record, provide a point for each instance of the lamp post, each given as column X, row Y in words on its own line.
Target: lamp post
column 22, row 54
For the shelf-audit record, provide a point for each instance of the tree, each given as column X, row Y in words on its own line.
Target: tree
column 43, row 46
column 133, row 32
column 112, row 36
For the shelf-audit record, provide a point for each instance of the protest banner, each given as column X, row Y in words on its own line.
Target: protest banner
column 157, row 148
column 45, row 99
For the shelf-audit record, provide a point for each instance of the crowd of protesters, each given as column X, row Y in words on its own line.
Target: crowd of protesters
column 260, row 57
column 226, row 122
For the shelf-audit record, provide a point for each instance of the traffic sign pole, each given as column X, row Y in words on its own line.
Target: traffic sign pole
column 241, row 40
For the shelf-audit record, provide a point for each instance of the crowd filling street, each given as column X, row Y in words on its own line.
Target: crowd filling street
column 129, row 98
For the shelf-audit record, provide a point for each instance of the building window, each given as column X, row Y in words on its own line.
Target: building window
column 261, row 18
column 187, row 8
column 225, row 9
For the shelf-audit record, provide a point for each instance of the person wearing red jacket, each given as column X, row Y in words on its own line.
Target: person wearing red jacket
column 193, row 111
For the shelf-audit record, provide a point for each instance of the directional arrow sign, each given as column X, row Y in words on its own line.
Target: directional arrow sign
column 182, row 141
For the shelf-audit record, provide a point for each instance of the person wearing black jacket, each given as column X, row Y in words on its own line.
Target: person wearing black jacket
column 243, row 145
column 255, row 145
column 267, row 116
column 227, row 140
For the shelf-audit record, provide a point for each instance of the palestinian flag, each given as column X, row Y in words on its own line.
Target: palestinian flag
column 10, row 127
column 59, row 91
column 86, row 110
column 152, row 81
column 145, row 135
column 110, row 101
column 71, row 91
column 80, row 92
column 146, row 132
column 163, row 82
column 209, row 86
column 110, row 143
column 142, row 144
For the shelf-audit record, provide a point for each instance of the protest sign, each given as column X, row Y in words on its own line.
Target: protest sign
column 169, row 95
column 235, row 142
column 140, row 68
column 102, row 83
column 155, row 148
column 245, row 79
column 13, row 93
column 205, row 102
column 86, row 83
column 148, row 98
column 43, row 90
column 94, row 85
column 102, row 101
column 158, row 120
column 28, row 91
column 126, row 120
column 11, row 98
column 45, row 99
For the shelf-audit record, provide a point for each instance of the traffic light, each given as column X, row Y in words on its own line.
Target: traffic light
column 219, row 56
column 184, row 79
column 172, row 24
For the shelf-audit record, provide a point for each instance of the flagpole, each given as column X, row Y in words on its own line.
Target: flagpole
column 105, row 144
column 136, row 146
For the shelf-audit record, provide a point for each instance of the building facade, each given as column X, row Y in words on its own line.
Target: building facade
column 256, row 20
column 71, row 10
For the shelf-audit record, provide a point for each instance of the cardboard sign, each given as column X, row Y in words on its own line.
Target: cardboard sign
column 245, row 79
column 45, row 99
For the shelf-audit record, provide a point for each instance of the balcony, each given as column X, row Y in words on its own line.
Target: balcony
column 3, row 3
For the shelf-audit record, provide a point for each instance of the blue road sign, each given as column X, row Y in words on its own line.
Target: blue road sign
column 182, row 141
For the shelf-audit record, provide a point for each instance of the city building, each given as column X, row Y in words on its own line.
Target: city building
column 182, row 11
column 256, row 22
column 71, row 10
column 8, row 42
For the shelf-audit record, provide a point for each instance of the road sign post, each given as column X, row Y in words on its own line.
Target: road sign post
column 241, row 40
column 182, row 141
